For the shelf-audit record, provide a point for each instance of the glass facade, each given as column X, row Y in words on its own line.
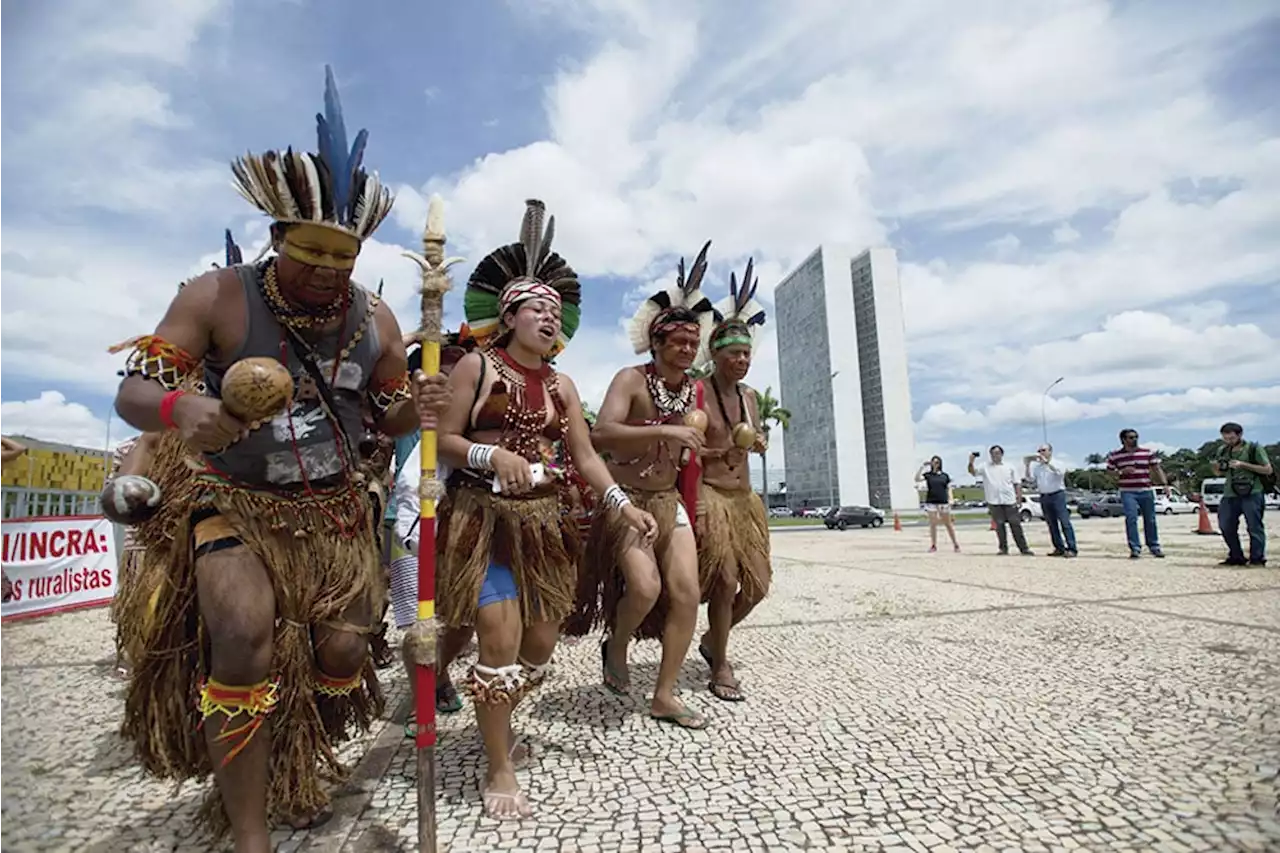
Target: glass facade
column 804, row 359
column 871, row 377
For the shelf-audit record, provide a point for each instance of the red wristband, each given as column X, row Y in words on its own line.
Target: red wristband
column 166, row 408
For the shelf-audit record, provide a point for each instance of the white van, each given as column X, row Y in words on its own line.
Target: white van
column 1212, row 489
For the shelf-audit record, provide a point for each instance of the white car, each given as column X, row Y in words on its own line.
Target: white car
column 1174, row 504
column 1031, row 508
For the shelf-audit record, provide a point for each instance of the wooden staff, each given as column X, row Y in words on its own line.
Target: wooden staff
column 422, row 636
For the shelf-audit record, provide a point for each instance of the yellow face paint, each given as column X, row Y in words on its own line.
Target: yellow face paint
column 317, row 246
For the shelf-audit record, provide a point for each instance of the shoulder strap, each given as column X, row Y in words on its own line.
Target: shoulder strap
column 306, row 355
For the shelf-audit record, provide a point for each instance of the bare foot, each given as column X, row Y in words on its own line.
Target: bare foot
column 503, row 798
column 677, row 713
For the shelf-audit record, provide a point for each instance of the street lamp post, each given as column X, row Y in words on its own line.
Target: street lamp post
column 831, row 480
column 1044, row 422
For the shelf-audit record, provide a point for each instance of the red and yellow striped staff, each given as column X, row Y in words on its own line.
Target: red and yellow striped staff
column 435, row 283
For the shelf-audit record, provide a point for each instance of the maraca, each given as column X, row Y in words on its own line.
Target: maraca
column 697, row 419
column 130, row 499
column 744, row 436
column 255, row 389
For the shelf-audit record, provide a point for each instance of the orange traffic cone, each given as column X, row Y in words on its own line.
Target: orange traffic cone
column 897, row 522
column 1206, row 526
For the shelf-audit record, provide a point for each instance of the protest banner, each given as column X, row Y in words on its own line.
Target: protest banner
column 56, row 564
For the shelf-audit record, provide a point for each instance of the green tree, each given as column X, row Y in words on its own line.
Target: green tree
column 770, row 412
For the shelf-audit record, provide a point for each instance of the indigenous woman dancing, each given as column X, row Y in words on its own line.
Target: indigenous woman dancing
column 508, row 552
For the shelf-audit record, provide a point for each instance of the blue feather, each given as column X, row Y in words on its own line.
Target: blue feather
column 353, row 164
column 332, row 138
column 233, row 251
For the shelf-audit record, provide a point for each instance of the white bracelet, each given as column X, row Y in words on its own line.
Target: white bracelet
column 480, row 456
column 615, row 498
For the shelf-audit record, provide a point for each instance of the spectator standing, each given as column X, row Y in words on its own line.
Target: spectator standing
column 1051, row 482
column 1002, row 488
column 1244, row 464
column 1137, row 467
column 938, row 499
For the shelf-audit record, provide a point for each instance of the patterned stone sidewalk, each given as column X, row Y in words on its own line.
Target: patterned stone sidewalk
column 897, row 701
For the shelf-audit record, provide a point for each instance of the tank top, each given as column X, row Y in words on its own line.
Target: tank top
column 303, row 440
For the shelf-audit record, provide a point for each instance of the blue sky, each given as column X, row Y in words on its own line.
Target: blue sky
column 1075, row 189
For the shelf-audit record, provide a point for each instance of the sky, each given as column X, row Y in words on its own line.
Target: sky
column 1074, row 188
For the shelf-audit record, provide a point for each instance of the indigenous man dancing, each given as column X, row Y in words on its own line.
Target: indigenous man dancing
column 733, row 531
column 507, row 552
column 259, row 646
column 650, row 591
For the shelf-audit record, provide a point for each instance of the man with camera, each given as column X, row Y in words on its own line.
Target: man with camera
column 1051, row 484
column 1003, row 490
column 1250, row 476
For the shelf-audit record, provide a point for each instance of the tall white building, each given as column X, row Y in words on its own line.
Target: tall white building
column 843, row 369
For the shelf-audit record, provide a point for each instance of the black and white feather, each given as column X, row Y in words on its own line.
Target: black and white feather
column 685, row 293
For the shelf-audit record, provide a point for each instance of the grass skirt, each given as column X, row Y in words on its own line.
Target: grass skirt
column 733, row 537
column 317, row 574
column 531, row 535
column 601, row 585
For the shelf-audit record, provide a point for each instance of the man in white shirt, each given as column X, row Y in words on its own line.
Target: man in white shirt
column 1003, row 490
column 1051, row 483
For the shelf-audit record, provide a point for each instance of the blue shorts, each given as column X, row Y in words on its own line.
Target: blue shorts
column 499, row 585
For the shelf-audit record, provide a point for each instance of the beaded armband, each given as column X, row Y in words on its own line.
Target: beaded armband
column 384, row 395
column 155, row 358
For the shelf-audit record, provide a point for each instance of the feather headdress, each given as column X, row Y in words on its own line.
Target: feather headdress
column 738, row 315
column 234, row 255
column 524, row 270
column 329, row 188
column 685, row 294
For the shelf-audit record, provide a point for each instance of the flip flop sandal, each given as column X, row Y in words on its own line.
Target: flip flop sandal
column 684, row 718
column 411, row 727
column 447, row 699
column 612, row 681
column 523, row 808
column 726, row 692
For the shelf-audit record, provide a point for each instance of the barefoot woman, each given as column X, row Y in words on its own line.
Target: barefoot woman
column 508, row 551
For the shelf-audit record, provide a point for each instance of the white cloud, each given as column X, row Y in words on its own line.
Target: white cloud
column 1064, row 233
column 51, row 417
column 1006, row 246
column 1025, row 408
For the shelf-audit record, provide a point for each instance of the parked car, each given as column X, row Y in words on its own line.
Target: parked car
column 1031, row 508
column 850, row 516
column 1175, row 504
column 1104, row 507
column 1212, row 489
column 780, row 512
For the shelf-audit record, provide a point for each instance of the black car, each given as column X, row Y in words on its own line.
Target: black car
column 850, row 516
column 1106, row 507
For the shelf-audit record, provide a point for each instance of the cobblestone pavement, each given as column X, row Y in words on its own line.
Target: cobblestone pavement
column 896, row 701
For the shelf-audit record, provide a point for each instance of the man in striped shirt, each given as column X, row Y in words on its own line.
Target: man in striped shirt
column 1137, row 467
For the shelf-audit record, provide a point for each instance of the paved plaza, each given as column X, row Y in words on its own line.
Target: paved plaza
column 896, row 701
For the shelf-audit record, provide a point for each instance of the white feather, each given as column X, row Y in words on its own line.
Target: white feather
column 276, row 168
column 313, row 185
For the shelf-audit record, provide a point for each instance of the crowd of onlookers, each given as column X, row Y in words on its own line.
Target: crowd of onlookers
column 1248, row 474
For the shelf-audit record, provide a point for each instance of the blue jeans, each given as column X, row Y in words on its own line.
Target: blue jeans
column 1144, row 502
column 1056, row 516
column 1229, row 512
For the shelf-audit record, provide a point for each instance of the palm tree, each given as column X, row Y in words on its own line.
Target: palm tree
column 770, row 412
column 1093, row 460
